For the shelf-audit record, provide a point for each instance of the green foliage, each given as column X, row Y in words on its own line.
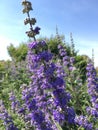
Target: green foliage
column 2, row 65
column 97, row 70
column 15, row 74
column 78, row 89
column 18, row 53
column 53, row 45
column 81, row 63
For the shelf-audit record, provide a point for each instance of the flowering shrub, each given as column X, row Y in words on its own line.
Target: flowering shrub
column 55, row 97
column 8, row 122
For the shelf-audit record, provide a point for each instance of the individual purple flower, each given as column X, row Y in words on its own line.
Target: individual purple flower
column 72, row 60
column 71, row 68
column 36, row 30
column 31, row 105
column 58, row 82
column 22, row 111
column 33, row 45
column 59, row 116
column 60, row 46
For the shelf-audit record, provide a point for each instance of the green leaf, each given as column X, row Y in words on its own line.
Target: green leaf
column 58, row 126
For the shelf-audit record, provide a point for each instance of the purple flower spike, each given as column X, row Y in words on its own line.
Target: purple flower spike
column 92, row 89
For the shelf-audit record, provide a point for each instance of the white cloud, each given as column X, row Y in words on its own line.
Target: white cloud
column 4, row 42
column 85, row 47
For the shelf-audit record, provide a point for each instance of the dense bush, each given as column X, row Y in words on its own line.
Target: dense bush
column 46, row 90
column 55, row 88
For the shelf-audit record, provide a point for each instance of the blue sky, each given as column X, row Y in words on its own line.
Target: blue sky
column 77, row 16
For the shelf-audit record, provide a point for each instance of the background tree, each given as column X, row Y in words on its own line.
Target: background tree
column 18, row 53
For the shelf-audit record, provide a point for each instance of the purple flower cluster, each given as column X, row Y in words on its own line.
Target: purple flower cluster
column 83, row 121
column 8, row 123
column 92, row 83
column 67, row 61
column 37, row 45
column 39, row 121
column 63, row 54
column 14, row 102
column 34, row 96
column 45, row 99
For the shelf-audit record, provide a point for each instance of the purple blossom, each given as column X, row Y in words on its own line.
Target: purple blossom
column 7, row 119
column 71, row 115
column 92, row 89
column 49, row 71
column 33, row 45
column 59, row 116
column 14, row 102
column 60, row 71
column 21, row 111
column 38, row 118
column 83, row 122
column 36, row 30
column 60, row 46
column 61, row 98
column 32, row 105
column 46, row 99
column 45, row 56
column 72, row 60
column 36, row 44
column 58, row 82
